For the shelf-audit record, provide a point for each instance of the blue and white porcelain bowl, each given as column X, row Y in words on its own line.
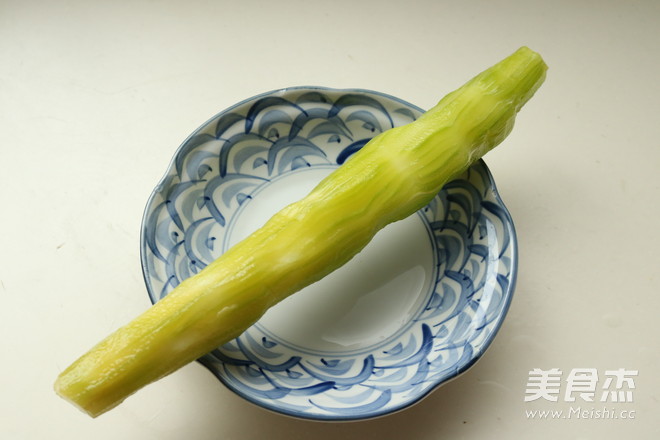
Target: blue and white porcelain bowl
column 416, row 308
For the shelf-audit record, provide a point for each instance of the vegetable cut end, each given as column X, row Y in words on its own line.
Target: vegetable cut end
column 61, row 390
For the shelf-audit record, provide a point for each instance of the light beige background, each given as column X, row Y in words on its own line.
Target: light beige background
column 96, row 96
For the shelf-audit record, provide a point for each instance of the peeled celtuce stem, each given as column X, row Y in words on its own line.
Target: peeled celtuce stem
column 394, row 175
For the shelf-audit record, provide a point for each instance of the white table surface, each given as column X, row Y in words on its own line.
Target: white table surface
column 96, row 96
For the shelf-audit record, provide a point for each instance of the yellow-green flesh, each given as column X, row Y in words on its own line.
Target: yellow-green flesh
column 390, row 178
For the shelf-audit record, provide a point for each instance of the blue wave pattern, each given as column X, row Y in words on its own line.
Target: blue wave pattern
column 230, row 157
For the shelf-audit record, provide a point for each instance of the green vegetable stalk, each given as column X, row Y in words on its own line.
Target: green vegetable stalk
column 390, row 178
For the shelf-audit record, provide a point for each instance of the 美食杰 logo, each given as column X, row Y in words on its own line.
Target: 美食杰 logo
column 592, row 394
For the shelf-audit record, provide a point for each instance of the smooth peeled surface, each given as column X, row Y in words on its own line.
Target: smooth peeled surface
column 390, row 178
